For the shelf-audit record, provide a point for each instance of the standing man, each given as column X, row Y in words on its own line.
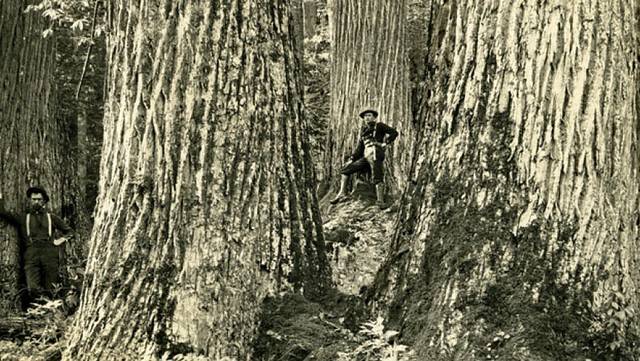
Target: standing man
column 36, row 232
column 369, row 154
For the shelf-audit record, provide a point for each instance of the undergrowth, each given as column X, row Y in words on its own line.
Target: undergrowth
column 376, row 344
column 335, row 328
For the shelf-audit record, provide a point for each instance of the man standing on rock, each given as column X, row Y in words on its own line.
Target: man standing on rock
column 36, row 229
column 369, row 154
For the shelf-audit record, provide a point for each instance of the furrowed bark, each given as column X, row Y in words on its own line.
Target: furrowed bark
column 206, row 199
column 523, row 221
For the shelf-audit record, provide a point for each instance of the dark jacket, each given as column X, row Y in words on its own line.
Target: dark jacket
column 376, row 133
column 38, row 223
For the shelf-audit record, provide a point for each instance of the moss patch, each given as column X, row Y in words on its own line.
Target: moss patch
column 527, row 304
column 293, row 328
column 527, row 313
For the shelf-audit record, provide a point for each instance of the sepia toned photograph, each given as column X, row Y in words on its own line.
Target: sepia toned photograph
column 319, row 180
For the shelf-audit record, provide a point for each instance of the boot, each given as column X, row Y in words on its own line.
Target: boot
column 342, row 193
column 380, row 196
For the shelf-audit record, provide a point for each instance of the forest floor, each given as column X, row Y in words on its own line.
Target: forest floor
column 339, row 326
column 36, row 336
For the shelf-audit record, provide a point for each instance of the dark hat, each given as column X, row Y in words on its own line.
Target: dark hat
column 38, row 190
column 368, row 110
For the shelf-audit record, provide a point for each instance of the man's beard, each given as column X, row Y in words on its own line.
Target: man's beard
column 37, row 208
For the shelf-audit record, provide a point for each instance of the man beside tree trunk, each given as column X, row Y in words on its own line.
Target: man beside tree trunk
column 369, row 155
column 36, row 229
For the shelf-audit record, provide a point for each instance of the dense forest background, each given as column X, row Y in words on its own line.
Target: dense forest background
column 194, row 147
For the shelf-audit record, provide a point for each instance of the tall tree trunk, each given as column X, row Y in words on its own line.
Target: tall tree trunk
column 297, row 20
column 317, row 65
column 519, row 240
column 82, row 156
column 419, row 30
column 369, row 69
column 206, row 198
column 310, row 14
column 30, row 141
column 81, row 113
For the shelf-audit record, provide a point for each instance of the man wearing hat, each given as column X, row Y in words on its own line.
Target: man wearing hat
column 36, row 229
column 369, row 154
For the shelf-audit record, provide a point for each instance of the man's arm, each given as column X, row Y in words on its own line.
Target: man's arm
column 9, row 217
column 391, row 133
column 60, row 225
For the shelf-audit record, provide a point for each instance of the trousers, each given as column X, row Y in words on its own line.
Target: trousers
column 41, row 262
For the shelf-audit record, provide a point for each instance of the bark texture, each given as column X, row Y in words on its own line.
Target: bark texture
column 206, row 198
column 519, row 240
column 419, row 31
column 297, row 22
column 30, row 146
column 368, row 70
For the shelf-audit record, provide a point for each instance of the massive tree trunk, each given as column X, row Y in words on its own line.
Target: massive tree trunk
column 520, row 238
column 30, row 137
column 368, row 69
column 206, row 198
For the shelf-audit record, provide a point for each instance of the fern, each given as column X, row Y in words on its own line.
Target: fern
column 376, row 344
